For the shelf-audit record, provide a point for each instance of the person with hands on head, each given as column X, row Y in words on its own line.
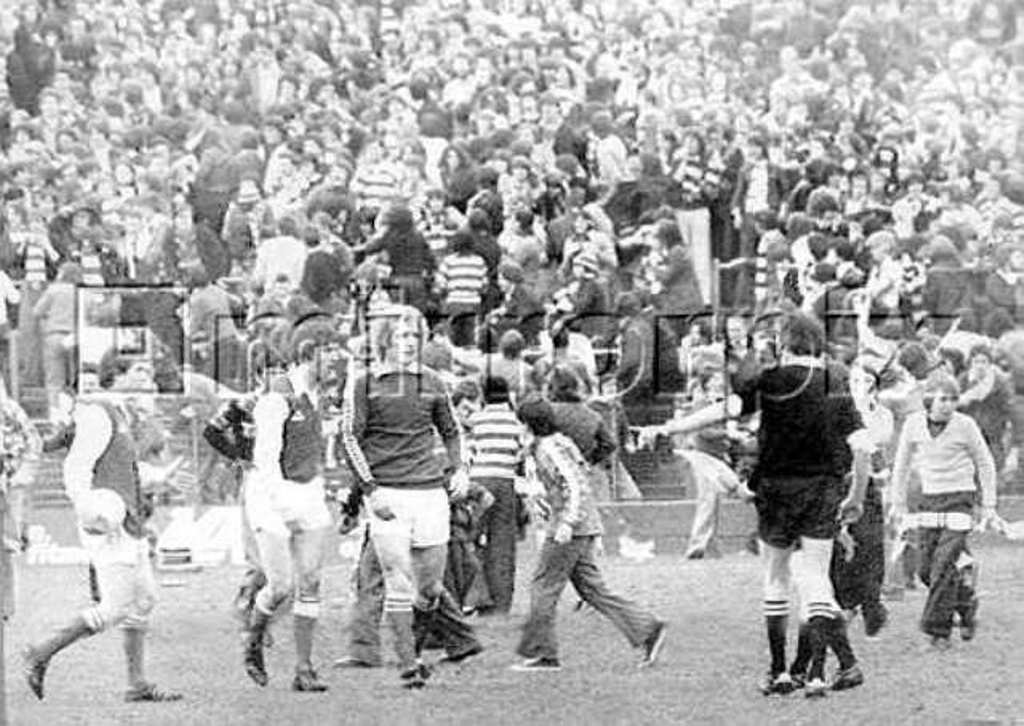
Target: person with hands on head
column 569, row 550
column 391, row 416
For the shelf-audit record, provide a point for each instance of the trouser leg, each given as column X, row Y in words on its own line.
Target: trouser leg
column 857, row 580
column 941, row 555
column 555, row 563
column 633, row 622
column 435, row 607
column 37, row 656
column 364, row 628
column 499, row 555
column 705, row 518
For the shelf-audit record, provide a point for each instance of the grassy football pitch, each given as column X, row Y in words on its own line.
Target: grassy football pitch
column 708, row 673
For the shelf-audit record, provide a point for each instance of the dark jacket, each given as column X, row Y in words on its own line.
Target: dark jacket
column 524, row 312
column 587, row 430
column 389, row 425
column 230, row 432
column 947, row 291
column 30, row 69
column 1005, row 295
column 776, row 188
column 324, row 275
column 806, row 416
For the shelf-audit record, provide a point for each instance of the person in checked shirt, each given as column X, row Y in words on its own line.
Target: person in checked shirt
column 568, row 552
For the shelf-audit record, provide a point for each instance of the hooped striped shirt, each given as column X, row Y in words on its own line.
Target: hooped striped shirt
column 463, row 278
column 496, row 442
column 697, row 180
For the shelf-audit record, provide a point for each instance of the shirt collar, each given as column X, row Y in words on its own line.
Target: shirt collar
column 380, row 369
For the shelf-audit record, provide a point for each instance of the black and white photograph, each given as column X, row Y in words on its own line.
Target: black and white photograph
column 511, row 362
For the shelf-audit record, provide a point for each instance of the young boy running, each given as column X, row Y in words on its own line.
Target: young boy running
column 568, row 551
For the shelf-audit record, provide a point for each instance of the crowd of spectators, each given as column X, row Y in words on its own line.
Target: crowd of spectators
column 551, row 183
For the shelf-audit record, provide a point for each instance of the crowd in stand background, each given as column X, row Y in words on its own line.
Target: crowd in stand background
column 549, row 182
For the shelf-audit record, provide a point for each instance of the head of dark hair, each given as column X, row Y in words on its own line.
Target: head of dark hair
column 111, row 365
column 564, row 385
column 802, row 334
column 511, row 344
column 537, row 415
column 487, row 178
column 797, row 225
column 479, row 221
column 955, row 359
column 668, row 233
column 817, row 244
column 466, row 390
column 524, row 220
column 845, row 250
column 914, row 357
column 496, row 390
column 462, row 242
column 310, row 334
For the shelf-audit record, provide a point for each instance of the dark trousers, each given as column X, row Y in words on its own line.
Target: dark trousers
column 499, row 552
column 575, row 562
column 950, row 588
column 462, row 571
column 858, row 582
column 462, row 321
column 441, row 626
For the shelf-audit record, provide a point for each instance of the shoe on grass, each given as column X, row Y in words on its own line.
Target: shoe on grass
column 815, row 688
column 779, row 684
column 848, row 678
column 307, row 681
column 537, row 664
column 969, row 621
column 469, row 651
column 350, row 661
column 416, row 677
column 149, row 693
column 253, row 661
column 35, row 672
column 941, row 643
column 875, row 619
column 653, row 645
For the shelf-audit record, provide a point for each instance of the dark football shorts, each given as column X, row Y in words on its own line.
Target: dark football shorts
column 790, row 507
